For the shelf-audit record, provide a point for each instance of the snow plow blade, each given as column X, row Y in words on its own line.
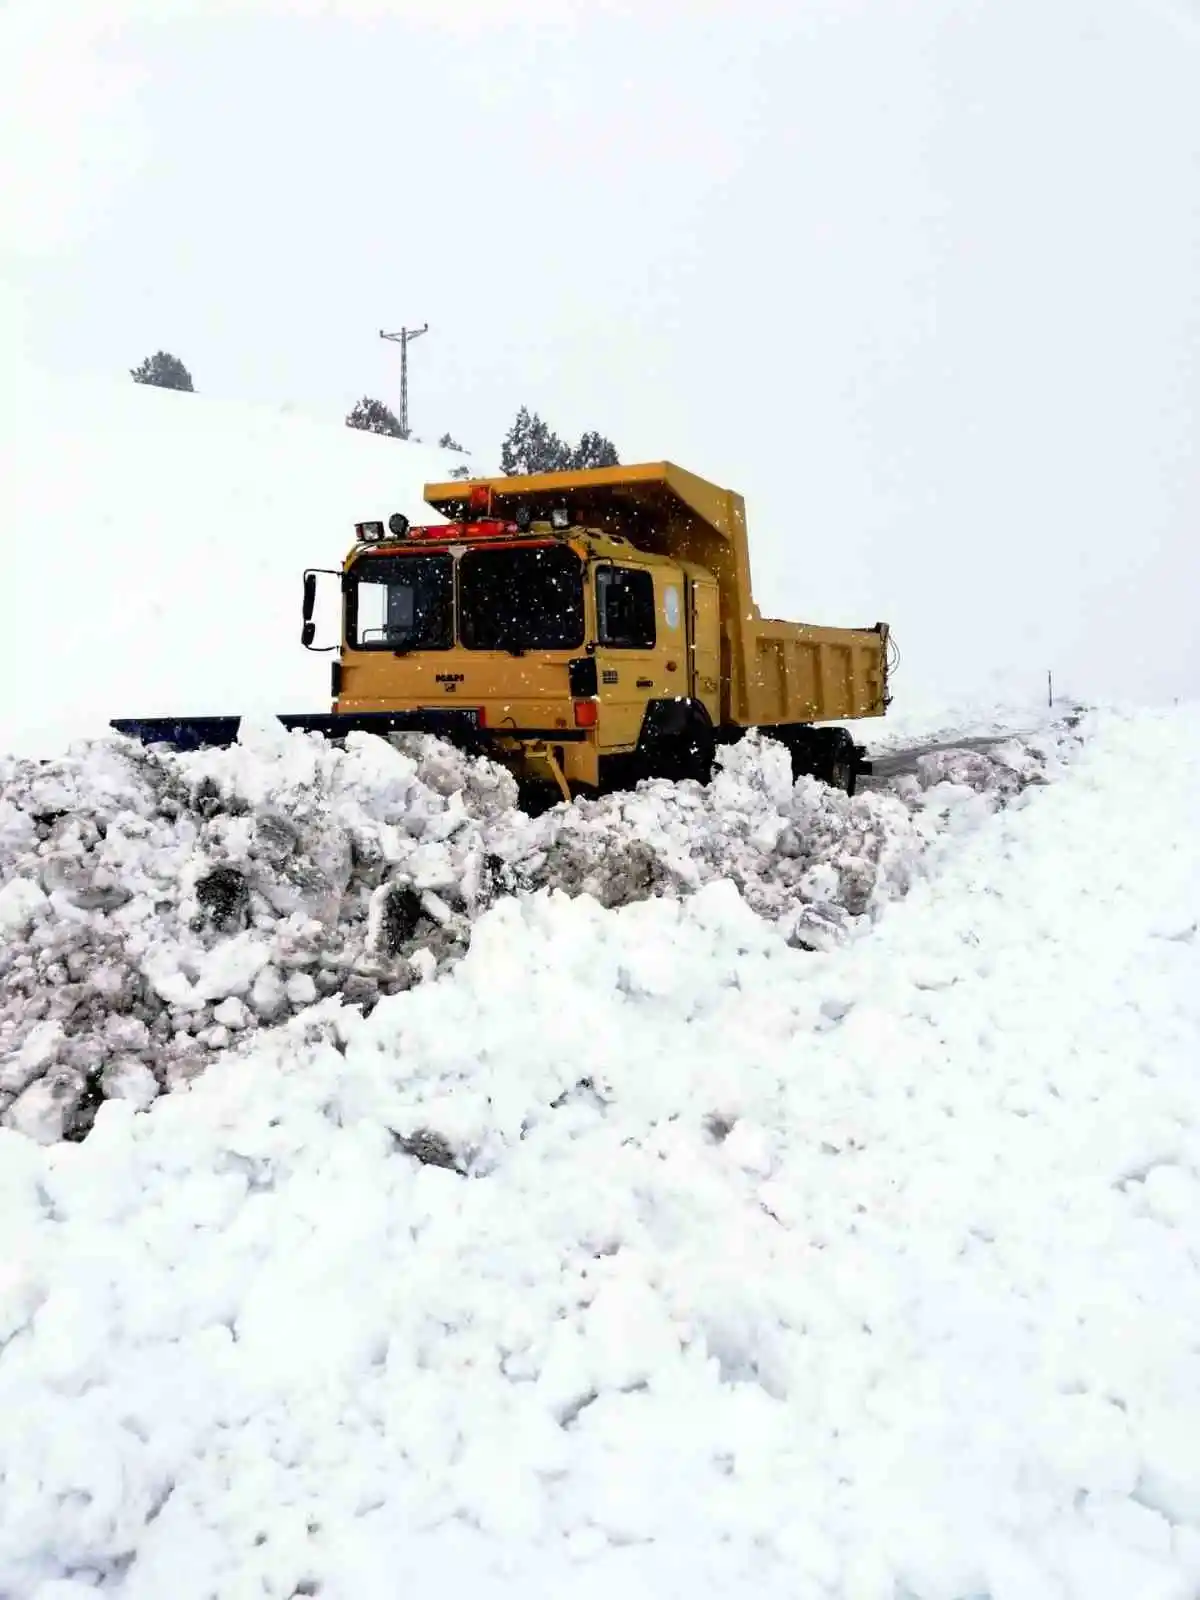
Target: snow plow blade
column 203, row 733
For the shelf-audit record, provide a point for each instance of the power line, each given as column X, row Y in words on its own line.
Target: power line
column 404, row 338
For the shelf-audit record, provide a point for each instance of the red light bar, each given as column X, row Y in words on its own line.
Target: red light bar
column 491, row 528
column 458, row 532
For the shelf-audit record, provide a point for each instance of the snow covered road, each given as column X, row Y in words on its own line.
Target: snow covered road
column 730, row 1268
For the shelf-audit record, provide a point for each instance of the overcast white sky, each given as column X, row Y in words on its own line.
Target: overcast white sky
column 921, row 279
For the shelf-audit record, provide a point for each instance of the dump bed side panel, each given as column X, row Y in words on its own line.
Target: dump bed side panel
column 797, row 673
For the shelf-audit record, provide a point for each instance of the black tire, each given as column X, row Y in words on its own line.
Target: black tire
column 804, row 747
column 688, row 754
column 698, row 753
column 844, row 774
column 839, row 764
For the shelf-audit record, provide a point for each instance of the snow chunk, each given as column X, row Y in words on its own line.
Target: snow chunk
column 125, row 1079
column 301, row 990
column 42, row 1111
column 232, row 1013
column 231, row 967
column 20, row 901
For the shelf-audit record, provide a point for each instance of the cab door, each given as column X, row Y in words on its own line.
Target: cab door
column 641, row 652
column 704, row 644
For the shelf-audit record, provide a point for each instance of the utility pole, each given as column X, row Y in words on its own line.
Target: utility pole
column 404, row 339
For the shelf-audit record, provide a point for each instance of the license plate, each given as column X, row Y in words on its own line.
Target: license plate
column 464, row 713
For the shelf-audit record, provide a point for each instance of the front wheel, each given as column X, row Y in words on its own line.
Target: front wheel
column 691, row 755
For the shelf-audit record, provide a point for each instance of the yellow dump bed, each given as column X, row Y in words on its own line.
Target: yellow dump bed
column 771, row 672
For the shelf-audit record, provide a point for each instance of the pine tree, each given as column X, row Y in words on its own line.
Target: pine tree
column 529, row 446
column 594, row 450
column 163, row 371
column 447, row 443
column 372, row 416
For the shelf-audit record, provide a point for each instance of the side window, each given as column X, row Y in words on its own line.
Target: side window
column 625, row 607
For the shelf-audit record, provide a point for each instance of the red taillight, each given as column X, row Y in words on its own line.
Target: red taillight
column 586, row 712
column 481, row 718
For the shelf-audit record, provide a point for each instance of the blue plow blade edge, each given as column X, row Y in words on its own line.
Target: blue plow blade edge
column 204, row 733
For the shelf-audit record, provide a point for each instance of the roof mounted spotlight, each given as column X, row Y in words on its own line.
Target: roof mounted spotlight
column 368, row 532
column 523, row 516
column 560, row 518
column 398, row 525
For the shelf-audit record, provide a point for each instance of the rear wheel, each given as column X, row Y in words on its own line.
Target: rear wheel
column 827, row 754
column 839, row 766
column 842, row 774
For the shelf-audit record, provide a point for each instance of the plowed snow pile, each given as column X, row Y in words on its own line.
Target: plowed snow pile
column 157, row 907
column 642, row 1253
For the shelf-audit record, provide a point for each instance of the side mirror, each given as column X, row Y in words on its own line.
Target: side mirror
column 308, row 631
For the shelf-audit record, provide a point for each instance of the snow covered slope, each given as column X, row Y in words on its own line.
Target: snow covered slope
column 645, row 1254
column 153, row 546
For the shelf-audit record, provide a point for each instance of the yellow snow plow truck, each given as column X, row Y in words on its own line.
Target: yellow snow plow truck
column 586, row 628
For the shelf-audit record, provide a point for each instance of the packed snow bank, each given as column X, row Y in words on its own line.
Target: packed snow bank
column 154, row 543
column 644, row 1254
column 156, row 907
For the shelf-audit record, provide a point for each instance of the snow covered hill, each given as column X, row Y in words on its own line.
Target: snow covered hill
column 644, row 1253
column 154, row 543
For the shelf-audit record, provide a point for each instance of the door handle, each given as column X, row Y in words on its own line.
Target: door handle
column 645, row 683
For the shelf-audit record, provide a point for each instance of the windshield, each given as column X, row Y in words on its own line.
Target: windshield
column 525, row 599
column 401, row 603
